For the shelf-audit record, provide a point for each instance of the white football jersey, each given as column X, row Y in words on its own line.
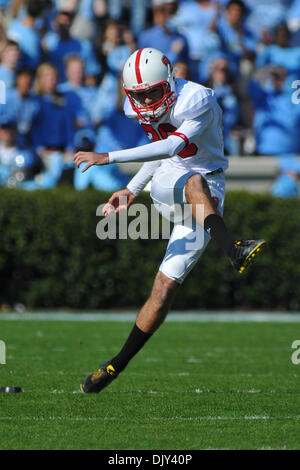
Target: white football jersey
column 196, row 117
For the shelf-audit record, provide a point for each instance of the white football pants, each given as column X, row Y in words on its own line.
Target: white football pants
column 188, row 240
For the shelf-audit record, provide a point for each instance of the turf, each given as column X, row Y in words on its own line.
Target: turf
column 193, row 386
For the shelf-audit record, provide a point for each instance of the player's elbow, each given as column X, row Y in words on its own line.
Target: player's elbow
column 175, row 144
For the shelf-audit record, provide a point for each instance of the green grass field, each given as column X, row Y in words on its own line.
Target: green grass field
column 193, row 386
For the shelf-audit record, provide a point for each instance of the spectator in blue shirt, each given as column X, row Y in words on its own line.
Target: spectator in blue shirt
column 106, row 98
column 276, row 117
column 15, row 163
column 21, row 107
column 287, row 182
column 9, row 62
column 138, row 13
column 114, row 55
column 165, row 38
column 114, row 52
column 24, row 33
column 80, row 98
column 52, row 129
column 264, row 15
column 53, row 125
column 59, row 44
column 221, row 81
column 281, row 53
column 237, row 40
column 196, row 21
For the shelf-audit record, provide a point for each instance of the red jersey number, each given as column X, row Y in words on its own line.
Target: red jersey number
column 164, row 130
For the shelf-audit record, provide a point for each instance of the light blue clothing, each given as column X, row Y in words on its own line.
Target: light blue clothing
column 103, row 178
column 193, row 22
column 22, row 111
column 29, row 41
column 203, row 66
column 294, row 10
column 13, row 160
column 138, row 15
column 286, row 184
column 190, row 14
column 230, row 107
column 106, row 98
column 138, row 10
column 117, row 57
column 59, row 50
column 86, row 9
column 7, row 76
column 293, row 19
column 81, row 101
column 157, row 37
column 115, row 9
column 232, row 43
column 288, row 57
column 276, row 120
column 116, row 133
column 265, row 14
column 53, row 126
column 49, row 177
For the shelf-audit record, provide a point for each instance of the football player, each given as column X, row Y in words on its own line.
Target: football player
column 186, row 164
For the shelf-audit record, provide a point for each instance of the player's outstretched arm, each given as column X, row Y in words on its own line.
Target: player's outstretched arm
column 119, row 200
column 91, row 158
column 157, row 150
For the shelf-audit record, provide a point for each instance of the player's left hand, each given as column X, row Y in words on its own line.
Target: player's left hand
column 91, row 158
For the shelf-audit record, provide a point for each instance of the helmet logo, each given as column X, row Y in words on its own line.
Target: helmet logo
column 141, row 86
column 165, row 61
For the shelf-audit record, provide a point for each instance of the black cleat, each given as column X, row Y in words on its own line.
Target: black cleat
column 96, row 381
column 243, row 253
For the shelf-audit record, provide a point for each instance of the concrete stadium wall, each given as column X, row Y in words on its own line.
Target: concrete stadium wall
column 255, row 174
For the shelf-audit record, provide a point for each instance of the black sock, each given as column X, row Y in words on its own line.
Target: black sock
column 215, row 226
column 134, row 343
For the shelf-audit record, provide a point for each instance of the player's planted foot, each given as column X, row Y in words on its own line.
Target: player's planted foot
column 244, row 251
column 96, row 381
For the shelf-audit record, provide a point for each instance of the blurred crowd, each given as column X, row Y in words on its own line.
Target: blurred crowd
column 61, row 85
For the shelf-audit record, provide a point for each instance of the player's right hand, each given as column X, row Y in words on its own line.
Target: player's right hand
column 119, row 200
column 90, row 158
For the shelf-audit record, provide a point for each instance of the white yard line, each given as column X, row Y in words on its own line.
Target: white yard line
column 178, row 316
column 151, row 418
column 204, row 391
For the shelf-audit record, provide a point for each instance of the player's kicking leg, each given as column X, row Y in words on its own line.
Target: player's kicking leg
column 240, row 252
column 177, row 263
column 148, row 320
